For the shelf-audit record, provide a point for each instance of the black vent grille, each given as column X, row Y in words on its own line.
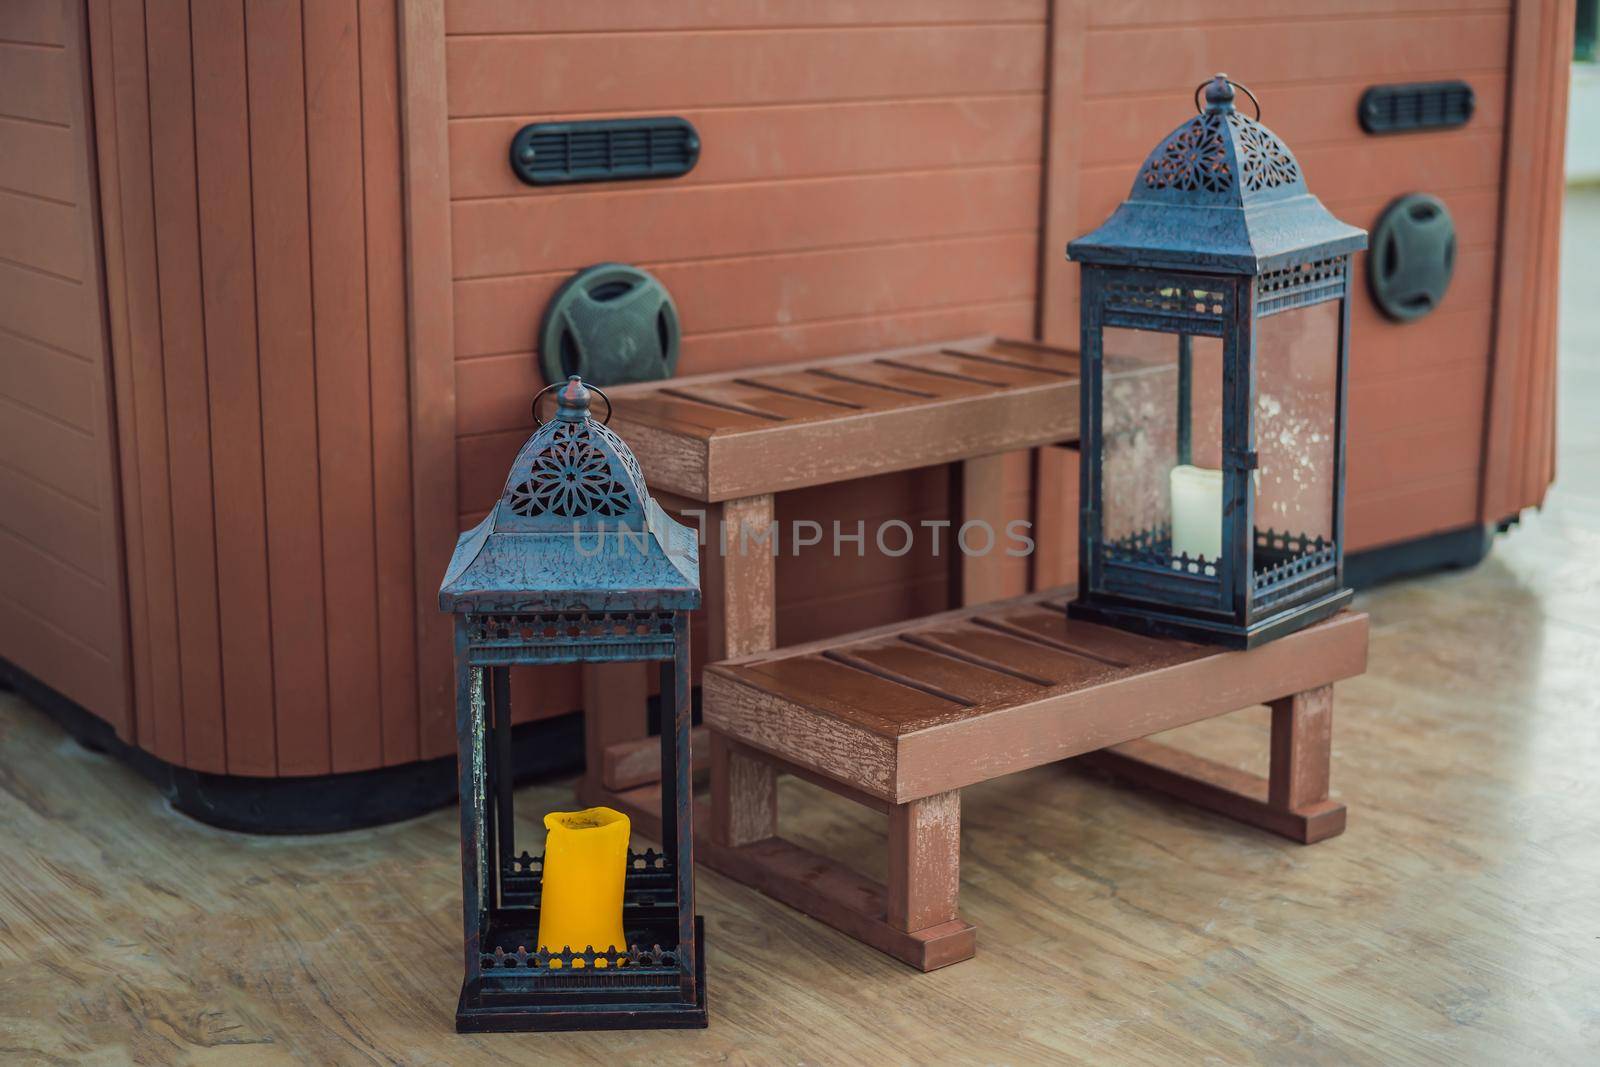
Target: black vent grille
column 1416, row 106
column 551, row 153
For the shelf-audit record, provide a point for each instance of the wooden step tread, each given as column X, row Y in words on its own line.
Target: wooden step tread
column 916, row 708
column 720, row 436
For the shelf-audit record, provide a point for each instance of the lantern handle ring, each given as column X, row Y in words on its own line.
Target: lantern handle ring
column 1199, row 107
column 538, row 422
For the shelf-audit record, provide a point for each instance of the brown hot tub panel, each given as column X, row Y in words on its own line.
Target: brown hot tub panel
column 266, row 342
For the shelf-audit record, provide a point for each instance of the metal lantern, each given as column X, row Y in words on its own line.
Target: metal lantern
column 1217, row 296
column 575, row 563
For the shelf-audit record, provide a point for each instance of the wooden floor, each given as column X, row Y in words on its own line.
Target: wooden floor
column 1458, row 920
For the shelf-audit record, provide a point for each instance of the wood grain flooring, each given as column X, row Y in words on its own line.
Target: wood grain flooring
column 1458, row 919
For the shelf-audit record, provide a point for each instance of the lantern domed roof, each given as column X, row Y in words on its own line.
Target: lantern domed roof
column 574, row 529
column 1221, row 192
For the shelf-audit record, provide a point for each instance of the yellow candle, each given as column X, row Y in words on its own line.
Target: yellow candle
column 1196, row 512
column 585, row 864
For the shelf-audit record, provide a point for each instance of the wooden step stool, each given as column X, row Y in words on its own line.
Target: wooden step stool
column 901, row 718
column 721, row 447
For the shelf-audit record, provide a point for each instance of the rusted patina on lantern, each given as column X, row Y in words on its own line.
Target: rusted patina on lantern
column 1212, row 487
column 575, row 563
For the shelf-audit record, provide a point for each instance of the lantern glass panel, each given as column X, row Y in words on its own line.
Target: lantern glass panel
column 1161, row 447
column 1297, row 383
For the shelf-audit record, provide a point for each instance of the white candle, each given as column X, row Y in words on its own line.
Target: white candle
column 1196, row 512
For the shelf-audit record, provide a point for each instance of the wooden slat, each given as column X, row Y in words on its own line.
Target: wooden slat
column 1163, row 57
column 748, row 397
column 751, row 292
column 232, row 376
column 1453, row 392
column 808, row 341
column 47, row 380
column 683, row 413
column 98, row 547
column 1380, row 516
column 856, row 696
column 1537, row 469
column 1139, row 13
column 1111, row 646
column 920, row 666
column 1323, row 114
column 969, row 368
column 579, row 16
column 998, row 649
column 41, row 234
column 594, row 225
column 172, row 138
column 44, row 308
column 33, row 22
column 116, row 705
column 35, row 83
column 288, row 386
column 902, row 374
column 85, row 677
column 70, row 600
column 1453, row 333
column 121, row 75
column 1530, row 145
column 1469, row 159
column 807, row 141
column 1540, row 467
column 35, row 159
column 426, row 215
column 49, row 451
column 837, row 391
column 344, row 402
column 1057, row 318
column 57, row 536
column 44, row 516
column 517, row 75
column 391, row 402
column 1412, row 454
column 1018, row 354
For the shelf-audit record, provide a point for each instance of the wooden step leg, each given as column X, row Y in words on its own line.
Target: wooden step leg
column 1293, row 801
column 744, row 795
column 924, row 861
column 1302, row 749
column 913, row 918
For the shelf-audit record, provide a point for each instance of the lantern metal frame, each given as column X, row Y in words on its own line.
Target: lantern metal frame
column 574, row 564
column 1218, row 233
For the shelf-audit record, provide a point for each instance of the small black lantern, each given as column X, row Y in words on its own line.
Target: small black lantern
column 1212, row 488
column 575, row 563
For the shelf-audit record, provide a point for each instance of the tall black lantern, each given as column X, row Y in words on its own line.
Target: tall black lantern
column 1213, row 457
column 575, row 563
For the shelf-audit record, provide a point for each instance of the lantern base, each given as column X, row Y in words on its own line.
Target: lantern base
column 1144, row 619
column 484, row 1012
